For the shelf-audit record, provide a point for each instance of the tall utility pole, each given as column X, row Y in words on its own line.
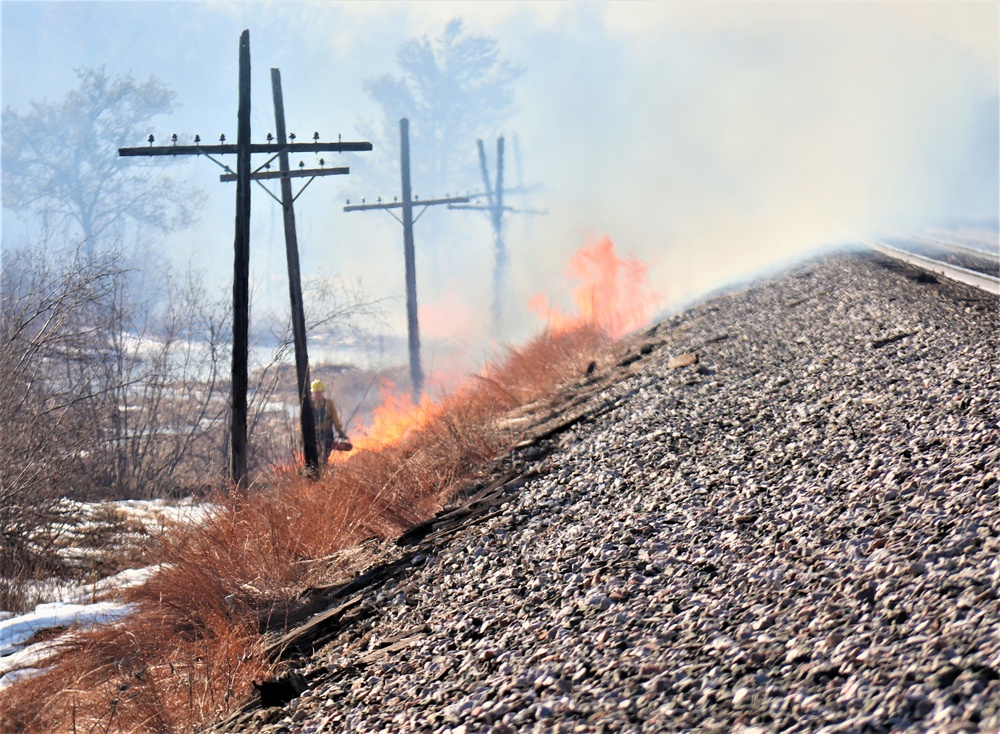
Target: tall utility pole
column 241, row 272
column 410, row 260
column 310, row 448
column 495, row 208
column 241, row 268
column 409, row 253
column 494, row 197
column 306, row 419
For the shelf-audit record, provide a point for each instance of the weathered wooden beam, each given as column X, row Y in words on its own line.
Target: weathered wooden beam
column 410, row 264
column 399, row 204
column 301, row 173
column 254, row 149
column 306, row 419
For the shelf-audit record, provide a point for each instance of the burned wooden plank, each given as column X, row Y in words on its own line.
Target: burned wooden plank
column 432, row 532
column 331, row 594
column 315, row 628
column 281, row 690
column 886, row 340
column 556, row 426
column 409, row 634
column 581, row 407
column 395, row 646
column 452, row 514
column 448, row 532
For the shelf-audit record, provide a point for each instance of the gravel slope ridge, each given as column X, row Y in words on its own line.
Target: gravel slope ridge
column 798, row 532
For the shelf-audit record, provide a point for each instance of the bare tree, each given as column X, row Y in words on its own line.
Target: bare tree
column 163, row 401
column 61, row 166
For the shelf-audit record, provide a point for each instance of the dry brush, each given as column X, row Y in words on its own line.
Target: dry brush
column 193, row 646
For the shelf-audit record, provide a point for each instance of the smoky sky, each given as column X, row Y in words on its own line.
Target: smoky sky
column 713, row 141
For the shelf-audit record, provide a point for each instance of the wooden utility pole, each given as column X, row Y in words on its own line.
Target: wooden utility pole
column 495, row 209
column 241, row 273
column 501, row 261
column 306, row 419
column 243, row 176
column 410, row 260
column 409, row 253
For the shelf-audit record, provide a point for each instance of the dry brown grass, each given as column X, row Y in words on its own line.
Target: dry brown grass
column 192, row 649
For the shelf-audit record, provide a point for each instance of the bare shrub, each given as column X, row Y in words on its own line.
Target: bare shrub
column 103, row 394
column 163, row 401
column 47, row 375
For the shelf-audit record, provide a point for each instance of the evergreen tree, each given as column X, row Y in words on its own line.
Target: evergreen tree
column 453, row 89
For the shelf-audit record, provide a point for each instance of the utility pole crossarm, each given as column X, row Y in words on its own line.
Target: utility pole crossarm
column 254, row 148
column 399, row 205
column 508, row 209
column 301, row 173
column 533, row 188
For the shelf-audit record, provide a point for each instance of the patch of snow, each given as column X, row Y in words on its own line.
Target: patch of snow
column 66, row 605
column 18, row 661
column 14, row 632
column 26, row 658
column 76, row 592
column 165, row 513
column 122, row 580
column 9, row 678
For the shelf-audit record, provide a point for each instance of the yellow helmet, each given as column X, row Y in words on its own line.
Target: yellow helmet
column 317, row 386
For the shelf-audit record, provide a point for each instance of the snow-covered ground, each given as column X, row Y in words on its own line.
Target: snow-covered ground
column 69, row 606
column 18, row 660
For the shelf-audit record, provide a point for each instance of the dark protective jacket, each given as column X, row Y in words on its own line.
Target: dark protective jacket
column 326, row 418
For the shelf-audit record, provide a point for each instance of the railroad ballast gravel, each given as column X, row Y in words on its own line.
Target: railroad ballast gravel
column 798, row 532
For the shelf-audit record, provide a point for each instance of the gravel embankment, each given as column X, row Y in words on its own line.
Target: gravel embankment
column 801, row 532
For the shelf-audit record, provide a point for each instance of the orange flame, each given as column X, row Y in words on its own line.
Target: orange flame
column 611, row 292
column 395, row 416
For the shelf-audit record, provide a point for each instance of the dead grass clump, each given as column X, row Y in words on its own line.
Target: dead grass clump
column 143, row 675
column 193, row 648
column 552, row 358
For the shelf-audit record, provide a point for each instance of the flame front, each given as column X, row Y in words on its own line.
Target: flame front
column 393, row 418
column 610, row 291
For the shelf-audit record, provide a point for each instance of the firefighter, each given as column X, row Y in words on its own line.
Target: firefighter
column 327, row 421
